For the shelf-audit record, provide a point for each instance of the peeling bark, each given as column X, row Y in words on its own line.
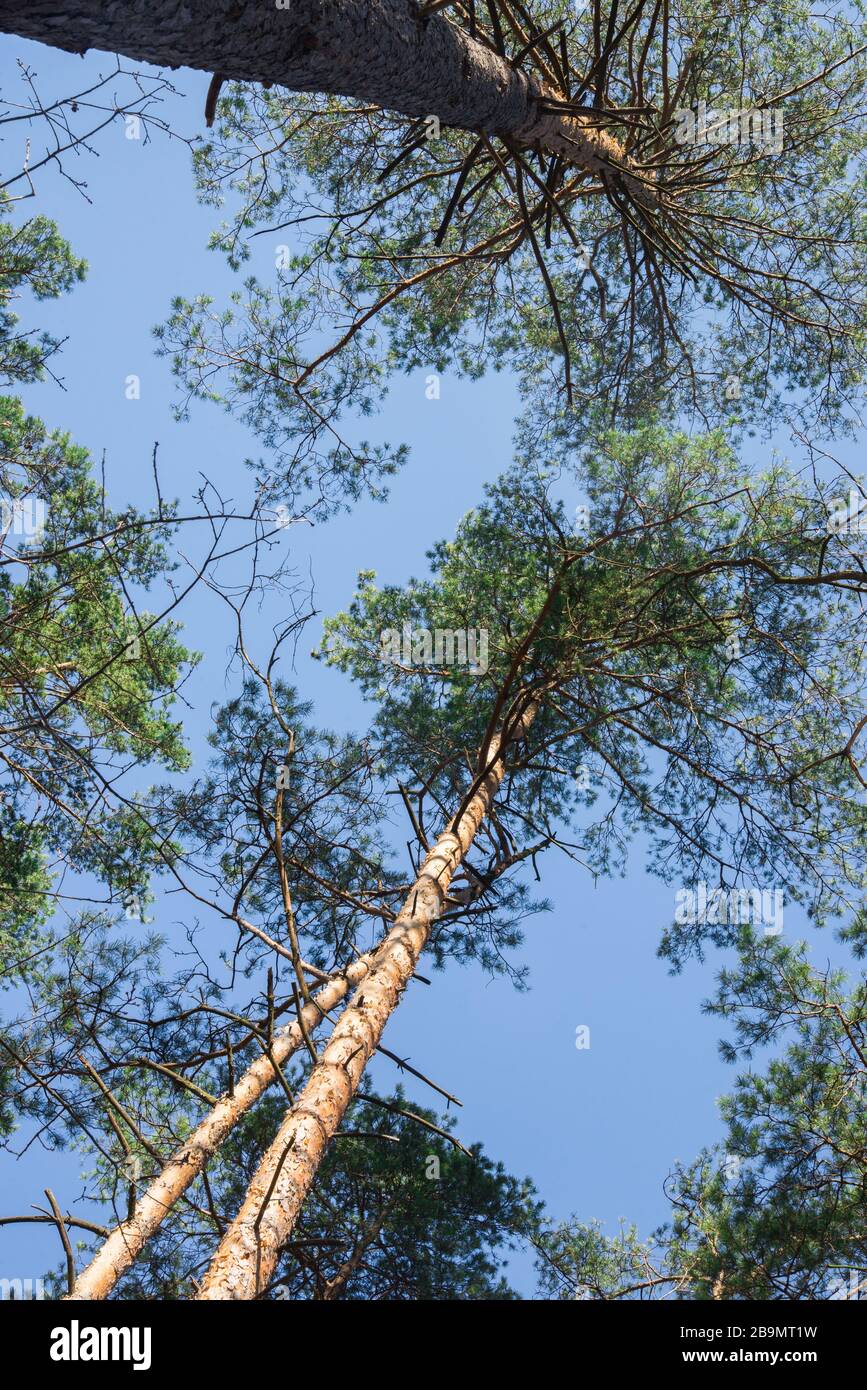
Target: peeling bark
column 378, row 51
column 119, row 1251
column 247, row 1255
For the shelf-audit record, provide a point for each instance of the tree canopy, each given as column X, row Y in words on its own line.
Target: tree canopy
column 652, row 217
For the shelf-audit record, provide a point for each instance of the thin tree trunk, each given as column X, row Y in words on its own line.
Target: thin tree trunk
column 247, row 1255
column 335, row 1287
column 378, row 51
column 125, row 1242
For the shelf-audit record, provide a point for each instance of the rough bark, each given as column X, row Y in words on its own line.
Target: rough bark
column 378, row 51
column 247, row 1255
column 123, row 1245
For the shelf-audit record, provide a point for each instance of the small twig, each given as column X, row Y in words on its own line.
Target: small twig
column 116, row 1105
column 91, row 1226
column 278, row 1070
column 217, row 1219
column 258, row 1222
column 367, row 1134
column 64, row 1236
column 411, row 1115
column 308, row 1041
column 405, row 1066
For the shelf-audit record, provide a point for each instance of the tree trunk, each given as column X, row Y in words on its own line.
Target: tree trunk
column 123, row 1245
column 247, row 1255
column 335, row 1287
column 378, row 51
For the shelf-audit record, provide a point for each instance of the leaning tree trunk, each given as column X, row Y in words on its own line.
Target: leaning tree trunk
column 381, row 51
column 249, row 1250
column 126, row 1240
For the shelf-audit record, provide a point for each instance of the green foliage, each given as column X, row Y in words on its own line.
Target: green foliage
column 782, row 1216
column 735, row 767
column 751, row 268
column 33, row 257
column 576, row 1260
column 332, row 847
column 397, row 1213
column 75, row 710
column 731, row 760
column 313, row 465
column 777, row 1210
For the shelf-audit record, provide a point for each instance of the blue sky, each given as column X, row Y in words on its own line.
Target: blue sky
column 596, row 1129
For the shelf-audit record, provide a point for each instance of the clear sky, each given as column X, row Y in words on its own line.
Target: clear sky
column 596, row 1129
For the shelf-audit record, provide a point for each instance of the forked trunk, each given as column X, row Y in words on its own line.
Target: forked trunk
column 247, row 1255
column 126, row 1241
column 380, row 51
